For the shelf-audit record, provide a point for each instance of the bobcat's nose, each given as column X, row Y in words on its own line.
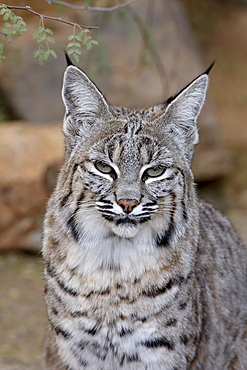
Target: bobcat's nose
column 128, row 204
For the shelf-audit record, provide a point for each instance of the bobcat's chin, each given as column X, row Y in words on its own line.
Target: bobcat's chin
column 125, row 230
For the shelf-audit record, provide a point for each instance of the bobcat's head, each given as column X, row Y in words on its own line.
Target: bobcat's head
column 131, row 167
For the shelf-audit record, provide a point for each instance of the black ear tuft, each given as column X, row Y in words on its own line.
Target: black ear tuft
column 169, row 100
column 209, row 68
column 68, row 60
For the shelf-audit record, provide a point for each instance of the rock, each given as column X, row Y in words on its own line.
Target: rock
column 27, row 151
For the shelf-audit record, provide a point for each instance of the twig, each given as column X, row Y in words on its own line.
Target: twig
column 29, row 9
column 92, row 8
column 152, row 50
column 7, row 37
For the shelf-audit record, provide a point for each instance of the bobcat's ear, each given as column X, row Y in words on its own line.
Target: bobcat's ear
column 182, row 112
column 84, row 105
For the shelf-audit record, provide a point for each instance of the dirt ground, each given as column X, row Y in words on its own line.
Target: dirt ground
column 222, row 33
column 22, row 312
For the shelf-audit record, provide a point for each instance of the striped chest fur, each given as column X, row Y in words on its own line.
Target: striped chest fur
column 130, row 253
column 115, row 319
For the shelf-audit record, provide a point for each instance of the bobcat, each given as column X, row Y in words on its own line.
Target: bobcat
column 139, row 272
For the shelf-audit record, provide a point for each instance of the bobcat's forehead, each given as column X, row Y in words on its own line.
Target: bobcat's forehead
column 131, row 150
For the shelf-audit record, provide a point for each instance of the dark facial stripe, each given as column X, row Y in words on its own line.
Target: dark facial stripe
column 69, row 186
column 148, row 209
column 150, row 204
column 164, row 240
column 185, row 196
column 158, row 342
column 108, row 217
column 108, row 213
column 65, row 199
column 106, row 206
column 105, row 201
column 73, row 226
column 185, row 215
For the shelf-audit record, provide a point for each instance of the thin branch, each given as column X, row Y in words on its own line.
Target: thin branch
column 7, row 37
column 152, row 50
column 29, row 9
column 92, row 8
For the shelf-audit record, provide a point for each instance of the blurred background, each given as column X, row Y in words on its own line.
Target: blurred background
column 147, row 52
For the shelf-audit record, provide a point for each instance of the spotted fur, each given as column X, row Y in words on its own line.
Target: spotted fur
column 139, row 273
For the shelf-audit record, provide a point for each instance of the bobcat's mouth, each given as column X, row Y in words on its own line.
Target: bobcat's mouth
column 124, row 225
column 126, row 220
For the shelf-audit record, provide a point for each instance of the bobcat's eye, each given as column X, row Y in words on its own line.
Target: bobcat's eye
column 105, row 168
column 154, row 172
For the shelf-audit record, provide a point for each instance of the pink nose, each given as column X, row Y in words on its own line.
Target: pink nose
column 128, row 204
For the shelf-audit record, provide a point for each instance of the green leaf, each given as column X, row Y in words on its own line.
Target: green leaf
column 77, row 59
column 2, row 11
column 77, row 40
column 2, row 57
column 41, row 38
column 77, row 44
column 6, row 16
column 39, row 30
column 50, row 39
column 53, row 53
column 46, row 54
column 48, row 30
column 70, row 37
column 89, row 46
column 78, row 37
column 36, row 53
column 71, row 51
column 70, row 44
